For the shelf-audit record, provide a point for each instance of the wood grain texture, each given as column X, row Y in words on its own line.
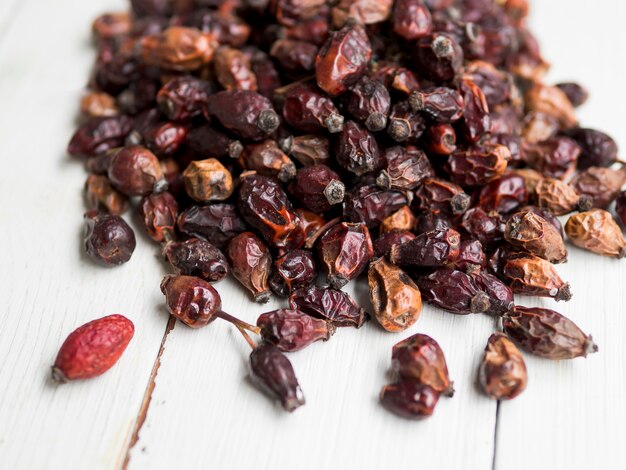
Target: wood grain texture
column 203, row 412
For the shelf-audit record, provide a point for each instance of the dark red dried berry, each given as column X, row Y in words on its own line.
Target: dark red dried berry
column 250, row 262
column 217, row 223
column 159, row 212
column 292, row 330
column 357, row 150
column 368, row 101
column 439, row 56
column 436, row 194
column 384, row 243
column 183, row 97
column 504, row 195
column 411, row 19
column 454, row 291
column 109, row 240
column 318, row 188
column 136, row 171
column 196, row 257
column 307, row 109
column 441, row 104
column 294, row 270
column 409, row 399
column 406, row 168
column 98, row 135
column 329, row 304
column 597, row 148
column 190, row 299
column 434, row 248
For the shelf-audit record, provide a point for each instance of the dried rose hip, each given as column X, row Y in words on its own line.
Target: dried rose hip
column 504, row 195
column 476, row 119
column 436, row 194
column 401, row 220
column 98, row 135
column 98, row 104
column 368, row 101
column 429, row 249
column 478, row 166
column 307, row 149
column 440, row 104
column 454, row 291
column 411, row 19
column 217, row 223
column 343, row 59
column 165, row 139
column 406, row 168
column 190, row 299
column 531, row 275
column 318, row 188
column 196, row 257
column 395, row 298
column 92, row 349
column 292, row 330
column 533, row 233
column 307, row 109
column 371, row 205
column 329, row 304
column 205, row 140
column 344, row 251
column 597, row 148
column 405, row 125
column 182, row 98
column 268, row 159
column 272, row 372
column 250, row 262
column 486, row 227
column 419, row 358
column 384, row 243
column 555, row 157
column 439, row 56
column 559, row 197
column 233, row 69
column 471, row 256
column 357, row 150
column 159, row 212
column 500, row 295
column 109, row 240
column 547, row 334
column 102, row 196
column 502, row 372
column 576, row 94
column 208, row 180
column 409, row 399
column 135, row 171
column 177, row 48
column 294, row 270
column 440, row 139
column 596, row 231
column 294, row 57
column 602, row 185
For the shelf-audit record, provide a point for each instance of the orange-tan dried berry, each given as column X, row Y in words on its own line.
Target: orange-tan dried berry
column 596, row 231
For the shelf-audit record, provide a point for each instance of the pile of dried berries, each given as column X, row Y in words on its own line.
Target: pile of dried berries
column 414, row 141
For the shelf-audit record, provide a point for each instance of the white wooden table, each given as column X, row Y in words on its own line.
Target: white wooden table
column 181, row 398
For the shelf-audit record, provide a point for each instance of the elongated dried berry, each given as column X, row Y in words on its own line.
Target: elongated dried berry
column 436, row 194
column 329, row 304
column 547, row 334
column 159, row 212
column 272, row 372
column 476, row 118
column 344, row 251
column 109, row 240
column 267, row 158
column 597, row 148
column 294, row 270
column 197, row 257
column 318, row 188
column 486, row 227
column 554, row 158
column 250, row 262
column 177, row 48
column 441, row 104
column 409, row 399
column 505, row 194
column 292, row 330
column 396, row 300
column 357, row 150
column 429, row 249
column 98, row 135
column 368, row 101
column 596, row 231
column 502, row 372
column 500, row 295
column 384, row 243
column 233, row 70
column 531, row 275
column 371, row 205
column 533, row 233
column 217, row 223
column 454, row 291
column 294, row 57
column 478, row 166
column 307, row 149
column 307, row 109
column 135, row 171
column 559, row 197
column 191, row 300
column 576, row 94
column 92, row 349
column 419, row 358
column 602, row 185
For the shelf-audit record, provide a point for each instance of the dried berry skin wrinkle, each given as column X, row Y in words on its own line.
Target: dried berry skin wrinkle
column 419, row 358
column 396, row 300
column 93, row 348
column 560, row 198
column 409, row 399
column 108, row 239
column 430, row 249
column 502, row 372
column 453, row 291
column 294, row 57
column 197, row 257
column 177, row 48
column 273, row 373
column 405, row 125
column 343, row 59
column 555, row 158
column 233, row 70
column 292, row 330
column 368, row 101
column 471, row 256
column 547, row 334
column 208, row 180
column 182, row 98
column 205, row 141
column 384, row 243
column 401, row 220
column 344, row 251
column 371, row 205
column 504, row 195
column 533, row 233
column 411, row 19
column 478, row 166
column 531, row 275
column 191, row 300
column 486, row 227
column 308, row 150
column 296, row 269
column 476, row 120
column 98, row 135
column 217, row 223
column 135, row 171
column 102, row 196
column 357, row 150
column 332, row 305
column 250, row 262
column 159, row 213
column 407, row 167
column 436, row 194
column 500, row 295
column 165, row 139
column 441, row 104
column 265, row 206
column 268, row 159
column 598, row 232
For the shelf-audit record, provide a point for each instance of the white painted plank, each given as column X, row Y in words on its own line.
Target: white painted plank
column 47, row 287
column 205, row 414
column 573, row 414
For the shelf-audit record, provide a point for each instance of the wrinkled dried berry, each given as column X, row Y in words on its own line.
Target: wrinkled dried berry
column 102, row 196
column 159, row 212
column 502, row 371
column 406, row 168
column 534, row 234
column 292, row 330
column 329, row 304
column 268, row 159
column 531, row 275
column 371, row 205
column 436, row 194
column 135, row 171
column 217, row 223
column 318, row 188
column 250, row 262
column 602, row 185
column 409, row 399
column 596, row 231
column 109, row 240
column 307, row 109
column 357, row 150
column 197, row 257
column 191, row 300
column 454, row 291
column 429, row 249
column 294, row 270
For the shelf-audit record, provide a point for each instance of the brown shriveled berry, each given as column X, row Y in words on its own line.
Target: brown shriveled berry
column 439, row 56
column 531, row 232
column 531, row 275
column 215, row 222
column 547, row 334
column 292, row 330
column 361, row 11
column 208, row 180
column 159, row 212
column 406, row 168
column 250, row 262
column 102, row 196
column 559, row 197
column 135, row 171
column 109, row 240
column 268, row 159
column 98, row 104
column 395, row 298
column 233, row 70
column 551, row 101
column 409, row 399
column 272, row 372
column 500, row 295
column 531, row 177
column 602, row 185
column 357, row 151
column 539, row 127
column 344, row 251
column 401, row 220
column 368, row 101
column 182, row 98
column 505, row 194
column 411, row 19
column 294, row 270
column 596, row 231
column 177, row 48
column 92, row 349
column 197, row 257
column 308, row 150
column 429, row 249
column 419, row 358
column 371, row 205
column 436, row 194
column 318, row 188
column 98, row 135
column 343, row 59
column 478, row 166
column 454, row 291
column 329, row 304
column 502, row 372
column 190, row 299
column 165, row 139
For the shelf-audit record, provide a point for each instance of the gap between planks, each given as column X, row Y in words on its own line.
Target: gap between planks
column 495, row 436
column 140, row 419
